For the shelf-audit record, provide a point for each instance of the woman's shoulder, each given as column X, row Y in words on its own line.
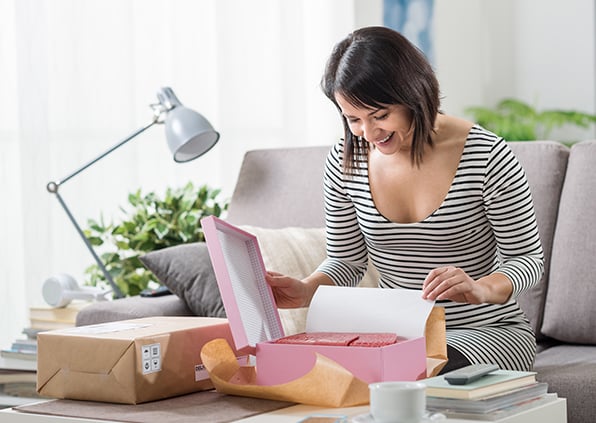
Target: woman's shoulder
column 477, row 132
column 335, row 157
column 456, row 128
column 337, row 150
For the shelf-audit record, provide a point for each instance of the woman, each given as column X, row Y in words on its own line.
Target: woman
column 437, row 203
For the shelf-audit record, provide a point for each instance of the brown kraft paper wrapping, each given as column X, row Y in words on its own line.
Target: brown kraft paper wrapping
column 328, row 384
column 436, row 341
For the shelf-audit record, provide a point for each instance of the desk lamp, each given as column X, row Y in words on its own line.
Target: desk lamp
column 189, row 135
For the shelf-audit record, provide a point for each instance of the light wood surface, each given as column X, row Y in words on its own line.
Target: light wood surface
column 554, row 412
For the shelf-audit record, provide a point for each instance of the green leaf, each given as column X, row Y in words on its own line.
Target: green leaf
column 161, row 230
column 515, row 120
column 95, row 241
column 149, row 222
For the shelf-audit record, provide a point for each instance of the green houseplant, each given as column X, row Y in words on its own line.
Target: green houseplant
column 516, row 120
column 150, row 222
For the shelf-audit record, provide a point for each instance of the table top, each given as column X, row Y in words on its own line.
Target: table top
column 553, row 412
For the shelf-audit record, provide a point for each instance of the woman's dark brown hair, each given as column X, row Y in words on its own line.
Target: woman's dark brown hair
column 375, row 67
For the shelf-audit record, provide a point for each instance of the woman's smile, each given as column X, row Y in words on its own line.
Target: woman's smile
column 384, row 140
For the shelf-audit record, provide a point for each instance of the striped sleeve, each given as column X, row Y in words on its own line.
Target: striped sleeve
column 347, row 255
column 510, row 211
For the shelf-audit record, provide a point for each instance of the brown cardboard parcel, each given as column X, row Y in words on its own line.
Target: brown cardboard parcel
column 130, row 361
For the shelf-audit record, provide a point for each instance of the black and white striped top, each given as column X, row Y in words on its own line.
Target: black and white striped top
column 486, row 224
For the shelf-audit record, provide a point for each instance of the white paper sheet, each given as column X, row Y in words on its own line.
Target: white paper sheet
column 346, row 309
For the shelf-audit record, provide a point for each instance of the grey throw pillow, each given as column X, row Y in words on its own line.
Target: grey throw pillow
column 535, row 157
column 187, row 271
column 569, row 312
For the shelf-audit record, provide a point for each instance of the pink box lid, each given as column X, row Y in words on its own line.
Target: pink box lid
column 240, row 273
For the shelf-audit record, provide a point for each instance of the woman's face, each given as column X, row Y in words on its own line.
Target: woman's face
column 388, row 129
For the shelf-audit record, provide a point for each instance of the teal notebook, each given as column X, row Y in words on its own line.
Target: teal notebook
column 493, row 383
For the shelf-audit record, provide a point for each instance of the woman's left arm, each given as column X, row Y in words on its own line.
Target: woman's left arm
column 510, row 211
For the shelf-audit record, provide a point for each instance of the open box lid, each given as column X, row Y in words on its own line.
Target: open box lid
column 240, row 273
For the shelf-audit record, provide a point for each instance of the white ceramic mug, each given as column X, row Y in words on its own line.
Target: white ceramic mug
column 397, row 402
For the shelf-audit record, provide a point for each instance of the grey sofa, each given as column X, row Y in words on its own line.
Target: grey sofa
column 280, row 188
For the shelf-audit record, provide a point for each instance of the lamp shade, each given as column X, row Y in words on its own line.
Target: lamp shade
column 189, row 134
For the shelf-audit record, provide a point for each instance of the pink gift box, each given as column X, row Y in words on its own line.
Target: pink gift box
column 255, row 322
column 281, row 363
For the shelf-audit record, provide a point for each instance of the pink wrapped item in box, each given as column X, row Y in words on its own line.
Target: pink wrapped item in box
column 256, row 326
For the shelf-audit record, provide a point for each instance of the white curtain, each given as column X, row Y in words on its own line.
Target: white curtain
column 77, row 76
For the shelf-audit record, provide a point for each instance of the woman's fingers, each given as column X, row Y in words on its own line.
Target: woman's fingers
column 448, row 283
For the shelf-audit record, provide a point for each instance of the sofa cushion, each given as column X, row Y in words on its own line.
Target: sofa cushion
column 570, row 314
column 536, row 157
column 570, row 371
column 187, row 271
column 131, row 308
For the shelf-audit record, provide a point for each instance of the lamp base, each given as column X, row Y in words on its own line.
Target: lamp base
column 59, row 290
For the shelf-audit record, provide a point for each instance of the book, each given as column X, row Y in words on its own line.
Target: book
column 493, row 383
column 20, row 389
column 66, row 314
column 43, row 325
column 24, row 344
column 31, row 333
column 16, row 376
column 487, row 404
column 50, row 318
column 11, row 363
column 20, row 354
column 504, row 412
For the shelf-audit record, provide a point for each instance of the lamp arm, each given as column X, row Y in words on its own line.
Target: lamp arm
column 57, row 184
column 53, row 187
column 117, row 292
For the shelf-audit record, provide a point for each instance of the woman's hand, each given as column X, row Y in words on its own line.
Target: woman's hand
column 292, row 293
column 452, row 283
column 288, row 292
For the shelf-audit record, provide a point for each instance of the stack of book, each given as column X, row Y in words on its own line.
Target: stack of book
column 48, row 318
column 21, row 349
column 18, row 374
column 18, row 362
column 17, row 384
column 495, row 396
column 41, row 319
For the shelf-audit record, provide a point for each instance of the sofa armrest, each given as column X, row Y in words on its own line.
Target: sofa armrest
column 132, row 308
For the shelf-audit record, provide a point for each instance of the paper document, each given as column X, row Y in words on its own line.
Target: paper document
column 347, row 309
